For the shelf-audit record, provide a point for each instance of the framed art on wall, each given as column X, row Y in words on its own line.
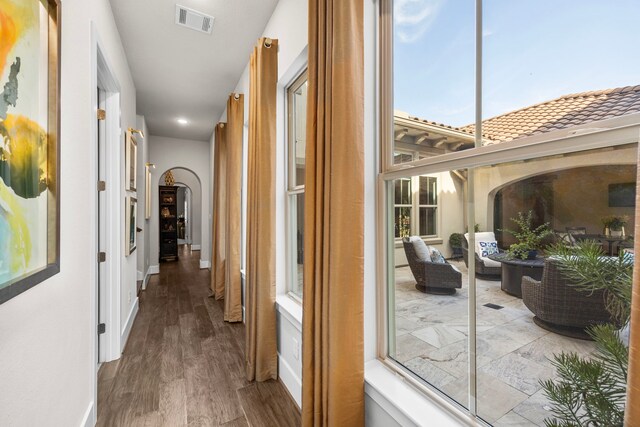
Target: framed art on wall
column 29, row 144
column 131, row 208
column 130, row 162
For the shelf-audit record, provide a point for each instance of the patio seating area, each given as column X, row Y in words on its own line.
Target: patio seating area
column 513, row 353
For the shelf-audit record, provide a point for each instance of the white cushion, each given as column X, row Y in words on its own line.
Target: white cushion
column 422, row 250
column 489, row 262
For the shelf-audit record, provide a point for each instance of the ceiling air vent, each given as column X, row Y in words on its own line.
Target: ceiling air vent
column 192, row 19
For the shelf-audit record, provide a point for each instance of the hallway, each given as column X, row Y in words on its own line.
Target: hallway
column 183, row 365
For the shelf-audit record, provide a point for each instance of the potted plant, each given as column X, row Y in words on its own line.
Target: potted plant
column 455, row 240
column 614, row 225
column 529, row 239
column 590, row 391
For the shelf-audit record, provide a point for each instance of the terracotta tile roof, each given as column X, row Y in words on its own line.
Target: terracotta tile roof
column 560, row 113
column 441, row 125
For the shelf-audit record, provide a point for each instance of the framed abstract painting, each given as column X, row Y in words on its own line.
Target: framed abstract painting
column 131, row 161
column 29, row 144
column 131, row 207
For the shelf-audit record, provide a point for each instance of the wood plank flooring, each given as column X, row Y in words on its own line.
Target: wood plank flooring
column 184, row 366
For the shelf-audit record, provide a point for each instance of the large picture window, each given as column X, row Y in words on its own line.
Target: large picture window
column 297, row 119
column 522, row 162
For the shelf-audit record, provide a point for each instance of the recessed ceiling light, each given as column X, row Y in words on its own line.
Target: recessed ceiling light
column 183, row 121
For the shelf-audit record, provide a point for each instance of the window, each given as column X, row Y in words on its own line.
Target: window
column 545, row 145
column 415, row 212
column 297, row 119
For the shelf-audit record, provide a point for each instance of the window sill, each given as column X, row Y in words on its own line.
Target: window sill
column 404, row 403
column 291, row 309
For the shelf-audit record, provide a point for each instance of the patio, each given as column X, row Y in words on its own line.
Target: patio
column 513, row 353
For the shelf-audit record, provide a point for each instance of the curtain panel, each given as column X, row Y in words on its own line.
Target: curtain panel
column 233, row 285
column 333, row 342
column 219, row 210
column 632, row 409
column 261, row 344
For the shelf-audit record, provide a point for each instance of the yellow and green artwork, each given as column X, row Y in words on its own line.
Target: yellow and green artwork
column 28, row 144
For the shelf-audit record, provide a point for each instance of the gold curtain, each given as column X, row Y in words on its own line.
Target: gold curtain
column 333, row 342
column 261, row 346
column 219, row 210
column 233, row 285
column 632, row 410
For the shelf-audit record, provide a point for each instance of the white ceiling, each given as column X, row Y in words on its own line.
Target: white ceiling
column 179, row 72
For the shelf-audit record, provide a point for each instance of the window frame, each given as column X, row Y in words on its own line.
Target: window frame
column 292, row 190
column 612, row 132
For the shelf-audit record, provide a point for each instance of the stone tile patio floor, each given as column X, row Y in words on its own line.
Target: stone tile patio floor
column 513, row 353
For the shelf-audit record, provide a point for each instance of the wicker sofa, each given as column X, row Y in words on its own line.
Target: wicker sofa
column 439, row 278
column 560, row 307
column 482, row 269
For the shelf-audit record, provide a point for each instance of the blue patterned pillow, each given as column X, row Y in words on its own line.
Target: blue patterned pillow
column 436, row 256
column 487, row 248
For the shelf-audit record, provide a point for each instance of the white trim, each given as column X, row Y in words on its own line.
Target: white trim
column 290, row 380
column 89, row 419
column 139, row 275
column 127, row 327
column 290, row 309
column 195, row 247
column 404, row 403
column 146, row 279
column 204, row 264
column 153, row 269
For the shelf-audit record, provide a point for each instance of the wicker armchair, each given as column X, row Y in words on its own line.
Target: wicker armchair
column 560, row 307
column 432, row 277
column 482, row 269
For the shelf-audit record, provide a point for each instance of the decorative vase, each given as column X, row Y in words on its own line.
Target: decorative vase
column 617, row 233
column 169, row 179
column 606, row 232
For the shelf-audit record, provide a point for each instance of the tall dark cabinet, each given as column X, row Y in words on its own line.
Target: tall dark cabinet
column 168, row 223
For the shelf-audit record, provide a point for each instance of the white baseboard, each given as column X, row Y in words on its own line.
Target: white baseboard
column 290, row 380
column 139, row 275
column 204, row 264
column 195, row 247
column 89, row 419
column 146, row 279
column 127, row 327
column 153, row 269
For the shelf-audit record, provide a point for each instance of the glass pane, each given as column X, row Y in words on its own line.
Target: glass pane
column 529, row 309
column 403, row 191
column 428, row 302
column 402, row 158
column 298, row 97
column 427, row 221
column 433, row 75
column 402, row 222
column 428, row 190
column 297, row 239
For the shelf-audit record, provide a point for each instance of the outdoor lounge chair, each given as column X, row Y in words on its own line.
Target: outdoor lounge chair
column 484, row 267
column 560, row 307
column 431, row 277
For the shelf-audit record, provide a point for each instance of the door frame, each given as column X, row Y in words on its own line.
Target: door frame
column 102, row 76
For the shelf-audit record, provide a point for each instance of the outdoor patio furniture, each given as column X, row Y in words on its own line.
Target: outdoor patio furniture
column 514, row 269
column 484, row 267
column 560, row 307
column 576, row 234
column 431, row 277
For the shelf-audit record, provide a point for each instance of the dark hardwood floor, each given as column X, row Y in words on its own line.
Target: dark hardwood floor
column 183, row 365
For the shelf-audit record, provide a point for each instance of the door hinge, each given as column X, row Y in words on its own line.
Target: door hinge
column 102, row 185
column 102, row 256
column 102, row 328
column 102, row 114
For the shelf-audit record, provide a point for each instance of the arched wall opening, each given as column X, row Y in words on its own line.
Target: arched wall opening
column 188, row 179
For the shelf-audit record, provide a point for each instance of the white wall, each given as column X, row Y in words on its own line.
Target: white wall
column 143, row 236
column 171, row 153
column 47, row 356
